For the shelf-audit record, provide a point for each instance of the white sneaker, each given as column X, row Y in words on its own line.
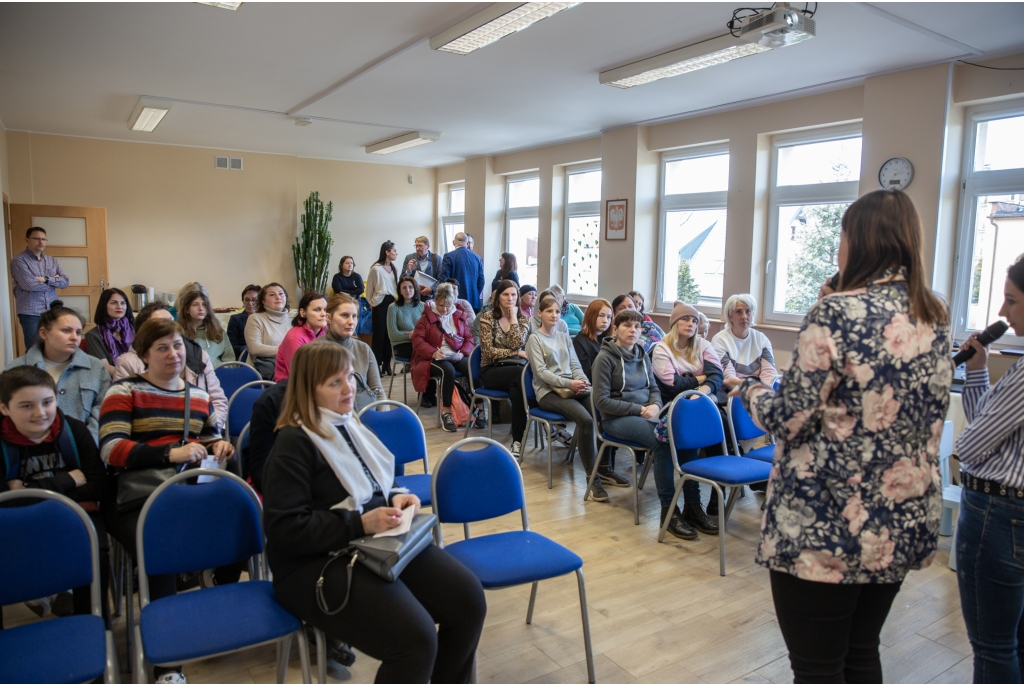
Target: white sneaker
column 171, row 678
column 517, row 450
column 563, row 436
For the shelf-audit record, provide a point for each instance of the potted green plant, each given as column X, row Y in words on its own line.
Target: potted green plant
column 312, row 248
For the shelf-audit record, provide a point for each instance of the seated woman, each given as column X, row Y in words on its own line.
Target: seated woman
column 46, row 449
column 587, row 343
column 441, row 345
column 744, row 352
column 626, row 395
column 685, row 361
column 308, row 325
column 555, row 365
column 347, row 280
column 507, row 268
column 328, row 481
column 142, row 422
column 572, row 315
column 403, row 315
column 703, row 327
column 650, row 332
column 82, row 380
column 195, row 315
column 638, row 300
column 236, row 324
column 113, row 333
column 265, row 329
column 198, row 368
column 527, row 299
column 503, row 331
column 536, row 323
column 342, row 318
column 464, row 306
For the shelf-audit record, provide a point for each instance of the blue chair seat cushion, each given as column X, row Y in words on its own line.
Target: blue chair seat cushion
column 418, row 484
column 487, row 392
column 765, row 454
column 607, row 437
column 514, row 558
column 192, row 625
column 729, row 470
column 404, row 360
column 538, row 413
column 63, row 650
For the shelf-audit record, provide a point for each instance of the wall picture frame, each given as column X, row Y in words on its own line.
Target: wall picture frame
column 615, row 219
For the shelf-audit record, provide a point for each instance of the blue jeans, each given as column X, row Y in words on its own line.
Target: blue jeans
column 637, row 429
column 990, row 572
column 30, row 327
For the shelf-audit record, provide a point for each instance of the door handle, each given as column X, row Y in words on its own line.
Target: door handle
column 103, row 284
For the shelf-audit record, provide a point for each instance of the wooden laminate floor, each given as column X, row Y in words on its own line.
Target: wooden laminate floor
column 659, row 613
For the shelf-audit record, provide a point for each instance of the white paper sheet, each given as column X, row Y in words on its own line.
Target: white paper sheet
column 402, row 528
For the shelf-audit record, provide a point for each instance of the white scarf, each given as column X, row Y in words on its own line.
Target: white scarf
column 447, row 323
column 346, row 465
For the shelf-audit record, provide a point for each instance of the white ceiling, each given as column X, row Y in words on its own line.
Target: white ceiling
column 78, row 69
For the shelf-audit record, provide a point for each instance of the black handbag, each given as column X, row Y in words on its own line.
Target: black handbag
column 387, row 557
column 134, row 486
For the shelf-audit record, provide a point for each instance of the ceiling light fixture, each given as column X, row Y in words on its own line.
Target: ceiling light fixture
column 223, row 5
column 148, row 113
column 402, row 142
column 303, row 121
column 684, row 60
column 494, row 23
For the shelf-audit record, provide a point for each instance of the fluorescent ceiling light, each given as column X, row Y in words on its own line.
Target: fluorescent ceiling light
column 223, row 5
column 706, row 54
column 148, row 113
column 494, row 23
column 402, row 142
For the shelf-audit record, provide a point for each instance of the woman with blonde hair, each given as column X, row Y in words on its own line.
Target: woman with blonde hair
column 441, row 345
column 330, row 480
column 854, row 498
column 195, row 315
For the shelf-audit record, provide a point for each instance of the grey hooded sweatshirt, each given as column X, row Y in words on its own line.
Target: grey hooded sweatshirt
column 623, row 380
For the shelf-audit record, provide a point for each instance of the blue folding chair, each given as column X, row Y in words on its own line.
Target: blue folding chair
column 742, row 427
column 245, row 355
column 240, row 406
column 472, row 485
column 634, row 448
column 184, row 528
column 696, row 424
column 402, row 433
column 406, row 363
column 233, row 375
column 544, row 418
column 481, row 393
column 48, row 547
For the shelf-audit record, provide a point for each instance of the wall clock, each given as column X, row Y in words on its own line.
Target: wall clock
column 896, row 173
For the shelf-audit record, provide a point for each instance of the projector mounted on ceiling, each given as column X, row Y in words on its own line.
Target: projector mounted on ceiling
column 775, row 28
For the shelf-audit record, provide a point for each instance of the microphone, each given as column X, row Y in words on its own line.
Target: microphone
column 987, row 337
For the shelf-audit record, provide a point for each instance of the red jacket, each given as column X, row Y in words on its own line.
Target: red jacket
column 427, row 338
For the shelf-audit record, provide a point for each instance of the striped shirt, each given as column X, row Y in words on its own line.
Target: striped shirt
column 138, row 420
column 992, row 445
column 32, row 297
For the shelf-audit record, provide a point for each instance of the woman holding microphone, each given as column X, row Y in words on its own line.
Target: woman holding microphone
column 990, row 570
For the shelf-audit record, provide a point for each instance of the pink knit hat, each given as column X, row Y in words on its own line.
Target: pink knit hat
column 679, row 310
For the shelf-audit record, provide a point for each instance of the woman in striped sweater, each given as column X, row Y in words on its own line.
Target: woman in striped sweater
column 142, row 423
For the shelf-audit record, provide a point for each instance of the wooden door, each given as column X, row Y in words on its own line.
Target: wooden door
column 78, row 239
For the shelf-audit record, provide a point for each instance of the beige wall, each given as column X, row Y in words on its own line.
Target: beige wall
column 4, row 170
column 173, row 217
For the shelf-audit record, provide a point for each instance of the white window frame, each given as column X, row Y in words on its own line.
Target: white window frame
column 812, row 193
column 687, row 202
column 573, row 210
column 513, row 213
column 450, row 218
column 974, row 184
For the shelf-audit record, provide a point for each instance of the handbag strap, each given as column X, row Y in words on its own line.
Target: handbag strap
column 188, row 414
column 320, row 599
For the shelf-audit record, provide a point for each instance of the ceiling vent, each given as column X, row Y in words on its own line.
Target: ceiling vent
column 221, row 162
column 236, row 163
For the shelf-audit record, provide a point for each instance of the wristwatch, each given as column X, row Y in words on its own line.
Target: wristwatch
column 46, row 279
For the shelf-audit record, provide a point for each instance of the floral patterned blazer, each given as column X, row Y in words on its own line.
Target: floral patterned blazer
column 854, row 495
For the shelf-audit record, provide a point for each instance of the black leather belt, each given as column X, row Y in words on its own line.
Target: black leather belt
column 990, row 487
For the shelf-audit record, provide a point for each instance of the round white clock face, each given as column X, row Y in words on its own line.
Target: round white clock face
column 896, row 173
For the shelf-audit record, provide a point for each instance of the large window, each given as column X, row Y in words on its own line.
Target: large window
column 691, row 266
column 521, row 222
column 991, row 232
column 814, row 177
column 583, row 230
column 455, row 220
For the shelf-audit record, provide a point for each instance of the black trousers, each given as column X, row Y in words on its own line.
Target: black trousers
column 381, row 343
column 509, row 379
column 832, row 630
column 122, row 527
column 404, row 350
column 444, row 370
column 394, row 622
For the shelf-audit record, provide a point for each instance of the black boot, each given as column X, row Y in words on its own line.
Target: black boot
column 713, row 503
column 695, row 516
column 677, row 526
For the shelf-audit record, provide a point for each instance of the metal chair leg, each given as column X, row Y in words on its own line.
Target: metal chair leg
column 533, row 601
column 111, row 672
column 548, row 428
column 392, row 385
column 304, row 656
column 648, row 460
column 129, row 610
column 672, row 506
column 139, row 670
column 321, row 656
column 586, row 626
column 593, row 473
column 636, row 491
column 284, row 650
column 722, row 518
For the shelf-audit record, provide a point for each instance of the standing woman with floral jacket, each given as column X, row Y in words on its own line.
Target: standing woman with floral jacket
column 853, row 502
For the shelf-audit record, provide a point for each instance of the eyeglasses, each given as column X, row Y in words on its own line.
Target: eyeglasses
column 250, row 300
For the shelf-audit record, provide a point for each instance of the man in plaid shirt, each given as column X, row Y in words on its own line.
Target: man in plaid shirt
column 36, row 279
